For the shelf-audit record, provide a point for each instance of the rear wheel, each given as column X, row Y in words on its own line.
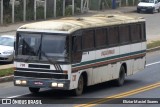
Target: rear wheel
column 79, row 90
column 34, row 90
column 120, row 80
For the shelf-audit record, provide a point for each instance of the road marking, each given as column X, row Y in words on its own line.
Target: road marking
column 152, row 63
column 18, row 95
column 121, row 95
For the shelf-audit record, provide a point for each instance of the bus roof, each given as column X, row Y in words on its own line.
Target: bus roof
column 71, row 24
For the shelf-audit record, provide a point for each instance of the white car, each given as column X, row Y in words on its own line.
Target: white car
column 7, row 48
column 148, row 6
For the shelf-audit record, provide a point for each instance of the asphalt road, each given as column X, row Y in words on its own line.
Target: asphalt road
column 141, row 79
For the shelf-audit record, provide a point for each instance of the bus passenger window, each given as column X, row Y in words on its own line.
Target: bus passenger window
column 88, row 40
column 135, row 33
column 113, row 36
column 100, row 37
column 124, row 34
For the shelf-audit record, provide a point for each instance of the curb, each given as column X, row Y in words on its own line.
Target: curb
column 153, row 49
column 10, row 78
column 6, row 78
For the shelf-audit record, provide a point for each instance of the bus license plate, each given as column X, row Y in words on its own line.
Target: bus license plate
column 38, row 83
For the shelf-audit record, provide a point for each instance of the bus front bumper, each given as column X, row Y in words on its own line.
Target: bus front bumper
column 42, row 83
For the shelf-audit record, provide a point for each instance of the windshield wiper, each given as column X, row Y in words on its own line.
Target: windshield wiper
column 57, row 66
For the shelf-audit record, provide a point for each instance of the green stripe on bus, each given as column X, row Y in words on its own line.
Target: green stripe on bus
column 108, row 58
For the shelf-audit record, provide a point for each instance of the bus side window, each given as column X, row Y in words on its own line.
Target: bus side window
column 124, row 34
column 113, row 38
column 76, row 49
column 135, row 33
column 100, row 37
column 143, row 30
column 88, row 40
column 76, row 43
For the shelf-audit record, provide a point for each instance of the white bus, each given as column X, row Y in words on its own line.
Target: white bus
column 71, row 53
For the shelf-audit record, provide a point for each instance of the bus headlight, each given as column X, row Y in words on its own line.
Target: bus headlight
column 18, row 82
column 60, row 85
column 54, row 84
column 23, row 82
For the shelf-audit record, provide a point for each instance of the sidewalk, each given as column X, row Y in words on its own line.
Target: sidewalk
column 6, row 66
column 15, row 26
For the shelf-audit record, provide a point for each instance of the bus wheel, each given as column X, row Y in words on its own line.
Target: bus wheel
column 79, row 90
column 120, row 80
column 34, row 90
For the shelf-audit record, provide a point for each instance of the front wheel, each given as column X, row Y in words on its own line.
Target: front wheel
column 158, row 10
column 120, row 80
column 79, row 90
column 34, row 90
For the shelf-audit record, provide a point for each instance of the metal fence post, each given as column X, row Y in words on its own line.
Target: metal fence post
column 64, row 7
column 72, row 7
column 82, row 6
column 13, row 2
column 55, row 8
column 133, row 2
column 35, row 9
column 24, row 10
column 126, row 2
column 1, row 11
column 45, row 9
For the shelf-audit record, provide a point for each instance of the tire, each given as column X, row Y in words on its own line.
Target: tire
column 138, row 11
column 79, row 90
column 158, row 10
column 121, row 78
column 34, row 90
column 152, row 11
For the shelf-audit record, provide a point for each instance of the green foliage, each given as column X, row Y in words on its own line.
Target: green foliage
column 59, row 8
column 68, row 11
column 6, row 72
column 40, row 12
column 153, row 44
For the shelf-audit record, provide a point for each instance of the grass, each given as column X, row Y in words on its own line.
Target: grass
column 6, row 72
column 153, row 44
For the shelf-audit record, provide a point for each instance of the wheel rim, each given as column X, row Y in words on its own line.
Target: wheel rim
column 80, row 84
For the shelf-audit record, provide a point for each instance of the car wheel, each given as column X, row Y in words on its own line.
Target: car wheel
column 79, row 90
column 138, row 11
column 158, row 10
column 152, row 11
column 34, row 90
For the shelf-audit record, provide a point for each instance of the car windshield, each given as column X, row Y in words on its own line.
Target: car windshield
column 6, row 41
column 148, row 1
column 38, row 45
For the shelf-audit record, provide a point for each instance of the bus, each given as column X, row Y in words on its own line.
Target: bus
column 72, row 53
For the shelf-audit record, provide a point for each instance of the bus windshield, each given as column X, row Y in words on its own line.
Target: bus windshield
column 41, row 46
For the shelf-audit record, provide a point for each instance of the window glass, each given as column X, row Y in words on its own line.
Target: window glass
column 135, row 32
column 100, row 37
column 77, row 43
column 113, row 35
column 88, row 39
column 143, row 30
column 54, row 45
column 124, row 34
